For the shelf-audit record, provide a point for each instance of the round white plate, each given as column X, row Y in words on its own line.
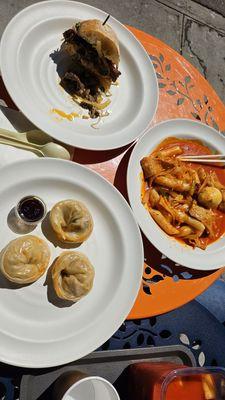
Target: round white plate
column 32, row 81
column 35, row 330
column 9, row 155
column 211, row 258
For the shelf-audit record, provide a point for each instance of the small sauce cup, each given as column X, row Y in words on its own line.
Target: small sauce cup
column 31, row 210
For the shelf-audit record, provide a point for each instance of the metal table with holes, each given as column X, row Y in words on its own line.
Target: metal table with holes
column 183, row 93
column 199, row 325
column 165, row 286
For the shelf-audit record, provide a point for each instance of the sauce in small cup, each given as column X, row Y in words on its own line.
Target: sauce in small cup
column 31, row 210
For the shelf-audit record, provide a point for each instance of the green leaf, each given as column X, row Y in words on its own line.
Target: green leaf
column 205, row 99
column 196, row 116
column 161, row 58
column 159, row 76
column 214, row 124
column 180, row 101
column 153, row 58
column 162, row 85
column 171, row 92
column 187, row 79
column 198, row 101
column 168, row 67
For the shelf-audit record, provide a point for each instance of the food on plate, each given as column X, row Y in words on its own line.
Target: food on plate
column 94, row 56
column 25, row 259
column 185, row 199
column 71, row 221
column 72, row 275
column 210, row 197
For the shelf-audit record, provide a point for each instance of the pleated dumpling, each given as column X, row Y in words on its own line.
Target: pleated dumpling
column 72, row 275
column 71, row 221
column 25, row 259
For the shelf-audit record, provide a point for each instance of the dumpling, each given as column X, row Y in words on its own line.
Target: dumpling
column 25, row 259
column 72, row 275
column 71, row 221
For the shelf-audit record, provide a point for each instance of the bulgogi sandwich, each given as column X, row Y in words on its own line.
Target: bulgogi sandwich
column 94, row 54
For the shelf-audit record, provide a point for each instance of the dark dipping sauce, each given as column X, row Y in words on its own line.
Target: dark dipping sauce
column 31, row 209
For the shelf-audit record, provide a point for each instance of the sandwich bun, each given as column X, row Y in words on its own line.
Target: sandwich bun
column 102, row 37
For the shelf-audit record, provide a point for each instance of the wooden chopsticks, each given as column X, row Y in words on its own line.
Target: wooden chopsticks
column 207, row 158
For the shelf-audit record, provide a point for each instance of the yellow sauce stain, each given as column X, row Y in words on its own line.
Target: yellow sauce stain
column 63, row 114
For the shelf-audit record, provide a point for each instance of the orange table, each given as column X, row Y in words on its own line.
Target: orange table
column 183, row 93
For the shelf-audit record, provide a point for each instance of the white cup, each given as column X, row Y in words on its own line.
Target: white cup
column 91, row 388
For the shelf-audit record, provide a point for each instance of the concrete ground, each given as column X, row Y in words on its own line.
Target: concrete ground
column 196, row 29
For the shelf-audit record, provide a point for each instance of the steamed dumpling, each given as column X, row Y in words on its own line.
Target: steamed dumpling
column 25, row 259
column 72, row 275
column 71, row 221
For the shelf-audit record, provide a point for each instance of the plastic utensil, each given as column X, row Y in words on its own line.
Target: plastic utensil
column 32, row 136
column 50, row 149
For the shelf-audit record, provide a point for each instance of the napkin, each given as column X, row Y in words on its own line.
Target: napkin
column 13, row 121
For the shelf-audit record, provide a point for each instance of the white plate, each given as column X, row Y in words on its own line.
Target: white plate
column 34, row 332
column 214, row 256
column 32, row 81
column 9, row 154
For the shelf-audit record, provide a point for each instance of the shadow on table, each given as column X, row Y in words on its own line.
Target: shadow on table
column 5, row 95
column 82, row 156
column 17, row 119
column 166, row 267
column 120, row 181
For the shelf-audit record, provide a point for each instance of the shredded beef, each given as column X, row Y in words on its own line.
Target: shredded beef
column 114, row 72
column 69, row 35
column 89, row 56
column 93, row 112
column 85, row 71
column 73, row 83
column 80, row 80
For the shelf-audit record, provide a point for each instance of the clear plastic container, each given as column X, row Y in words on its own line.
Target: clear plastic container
column 170, row 381
column 194, row 383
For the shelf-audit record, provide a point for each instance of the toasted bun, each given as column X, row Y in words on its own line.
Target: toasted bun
column 102, row 37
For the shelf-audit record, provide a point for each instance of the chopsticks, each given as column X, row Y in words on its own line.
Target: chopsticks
column 108, row 16
column 206, row 158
